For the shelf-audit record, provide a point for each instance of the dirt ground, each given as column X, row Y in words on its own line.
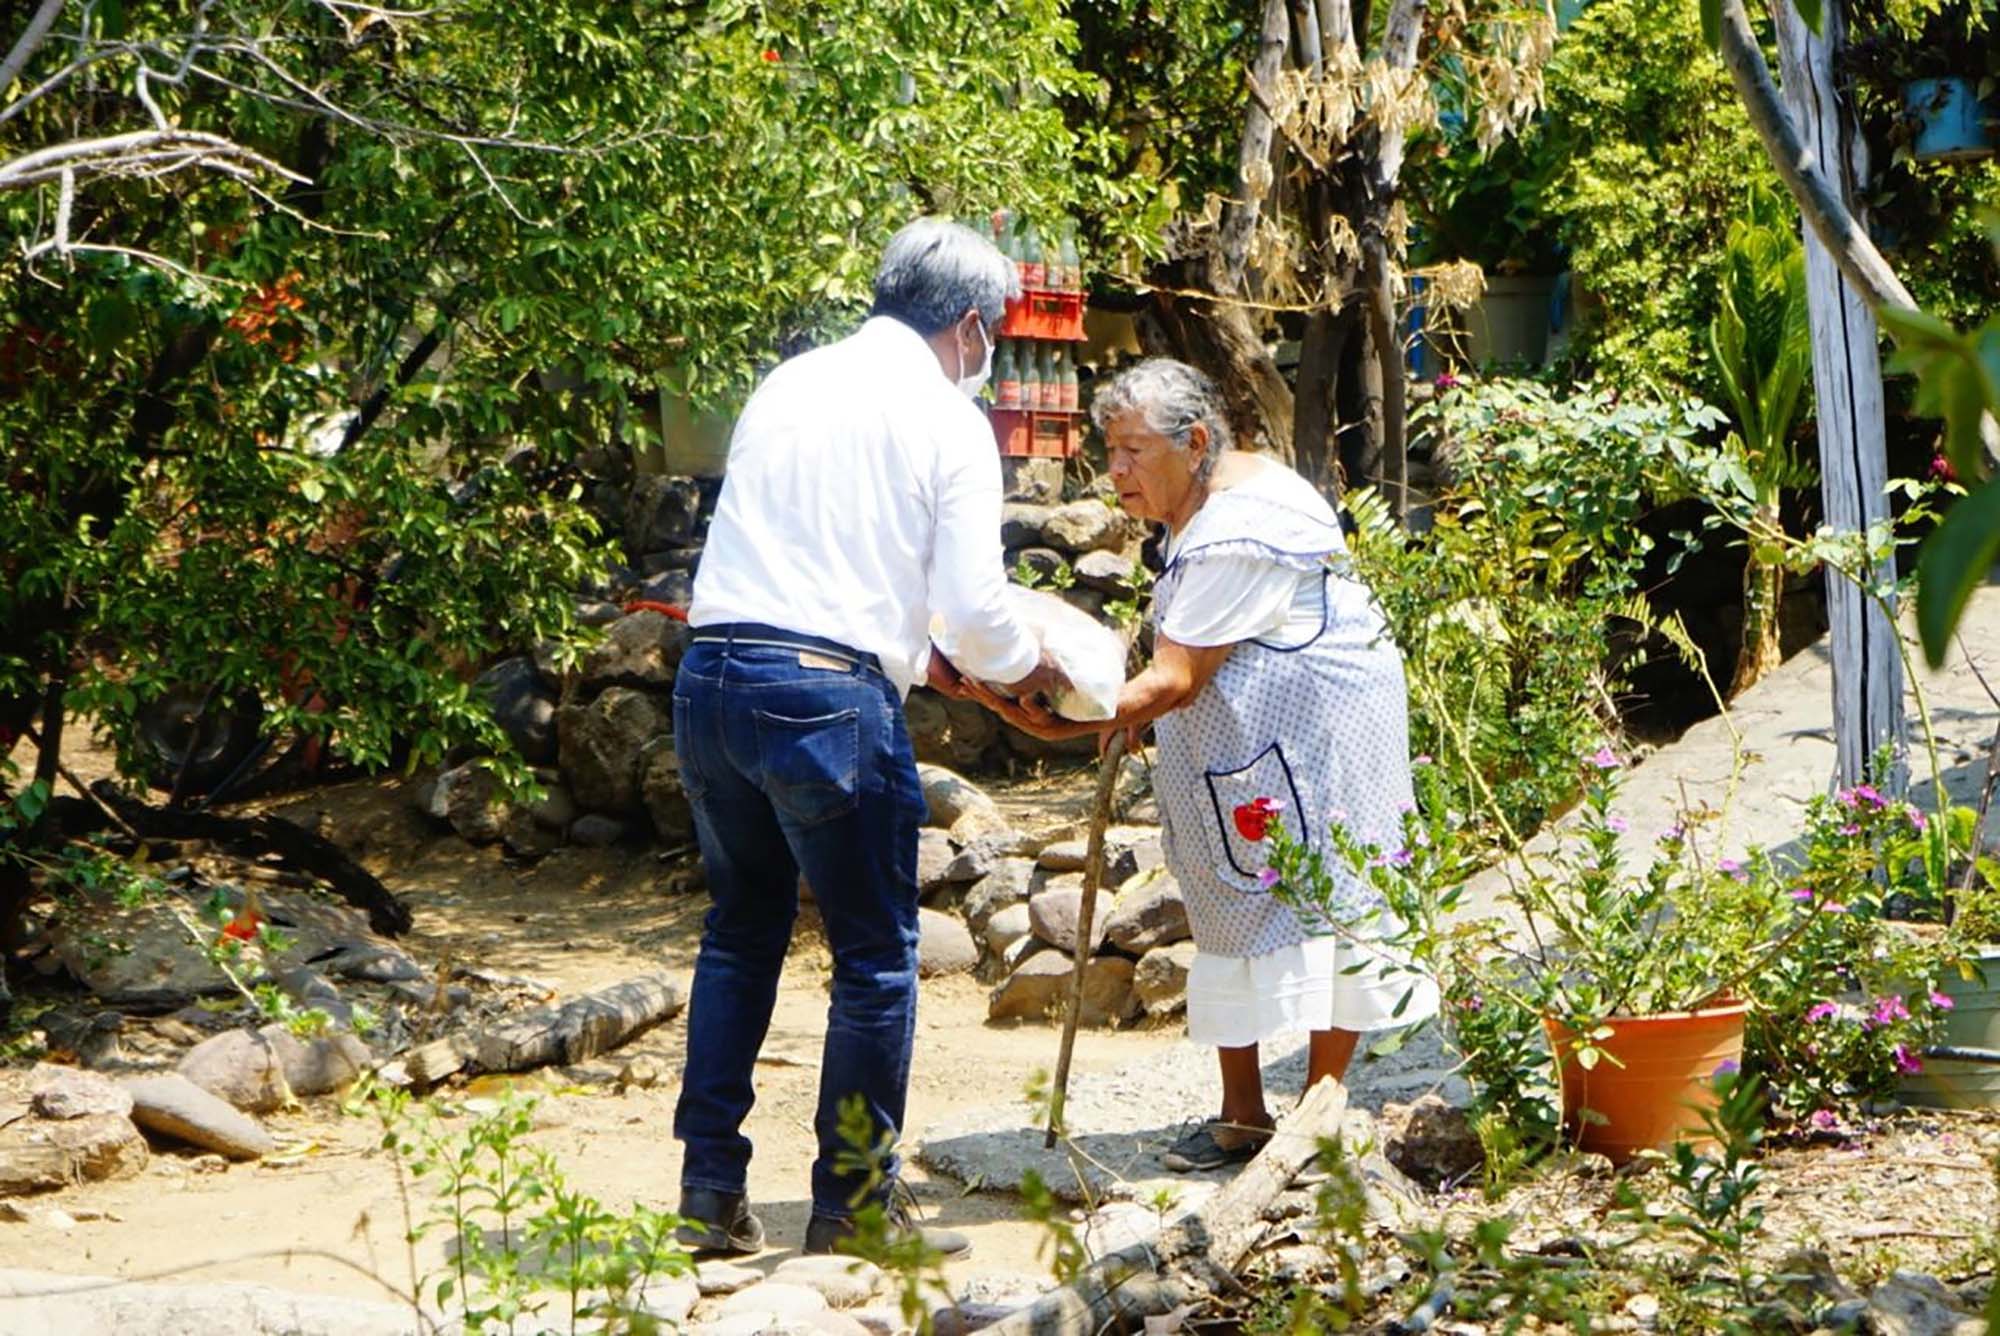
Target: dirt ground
column 578, row 919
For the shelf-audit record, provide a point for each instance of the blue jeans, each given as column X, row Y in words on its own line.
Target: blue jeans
column 793, row 768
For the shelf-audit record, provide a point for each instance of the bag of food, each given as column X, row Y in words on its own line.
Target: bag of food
column 1090, row 653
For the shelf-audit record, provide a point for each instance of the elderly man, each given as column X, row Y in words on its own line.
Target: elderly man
column 862, row 498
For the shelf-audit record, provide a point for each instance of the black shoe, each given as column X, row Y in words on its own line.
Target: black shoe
column 828, row 1234
column 1215, row 1145
column 718, row 1224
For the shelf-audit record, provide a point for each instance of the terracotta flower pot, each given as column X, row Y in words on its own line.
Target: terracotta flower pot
column 1656, row 1077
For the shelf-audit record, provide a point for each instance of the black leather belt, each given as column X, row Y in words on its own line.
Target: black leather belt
column 760, row 636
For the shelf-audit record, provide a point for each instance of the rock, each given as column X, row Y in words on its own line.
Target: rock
column 844, row 1282
column 1090, row 602
column 944, row 945
column 720, row 1278
column 555, row 809
column 241, row 1066
column 1042, row 563
column 959, row 806
column 596, row 612
column 974, row 862
column 1107, row 572
column 1807, row 1278
column 596, row 831
column 176, row 1107
column 1008, row 884
column 882, row 1320
column 666, row 801
column 468, row 797
column 641, row 649
column 668, row 560
column 1022, row 523
column 523, row 704
column 321, row 1065
column 1082, row 526
column 662, row 512
column 38, row 1155
column 1054, row 914
column 1027, row 946
column 1007, row 927
column 1431, row 1141
column 46, row 1302
column 602, row 744
column 673, row 588
column 775, row 1300
column 969, row 1316
column 1160, row 978
column 524, row 837
column 668, row 1300
column 1911, row 1304
column 66, row 1092
column 949, row 732
column 934, row 855
column 1040, row 988
column 1149, row 912
column 1038, row 480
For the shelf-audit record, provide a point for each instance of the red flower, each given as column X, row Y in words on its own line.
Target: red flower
column 1254, row 817
column 770, row 56
column 242, row 928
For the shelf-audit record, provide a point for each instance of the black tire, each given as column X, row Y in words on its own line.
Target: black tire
column 194, row 740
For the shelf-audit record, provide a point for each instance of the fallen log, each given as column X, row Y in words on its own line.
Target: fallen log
column 1196, row 1254
column 267, row 834
column 557, row 1034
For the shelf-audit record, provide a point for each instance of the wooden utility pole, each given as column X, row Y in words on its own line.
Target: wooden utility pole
column 1847, row 385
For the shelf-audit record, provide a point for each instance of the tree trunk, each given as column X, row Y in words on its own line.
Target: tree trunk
column 1313, row 416
column 1219, row 338
column 1386, row 348
column 1763, row 593
column 1359, row 399
column 1847, row 385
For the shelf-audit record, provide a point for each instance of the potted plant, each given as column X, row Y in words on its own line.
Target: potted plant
column 1644, row 982
column 1940, row 81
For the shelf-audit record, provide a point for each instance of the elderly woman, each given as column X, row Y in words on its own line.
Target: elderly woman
column 1273, row 678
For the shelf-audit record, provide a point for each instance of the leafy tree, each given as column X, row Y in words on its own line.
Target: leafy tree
column 319, row 316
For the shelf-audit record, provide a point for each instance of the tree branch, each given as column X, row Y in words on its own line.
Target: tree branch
column 1818, row 200
column 1253, row 160
column 29, row 42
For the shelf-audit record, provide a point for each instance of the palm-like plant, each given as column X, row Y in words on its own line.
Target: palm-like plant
column 1762, row 346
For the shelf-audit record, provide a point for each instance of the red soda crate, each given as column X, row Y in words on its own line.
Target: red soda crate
column 1044, row 313
column 1035, row 433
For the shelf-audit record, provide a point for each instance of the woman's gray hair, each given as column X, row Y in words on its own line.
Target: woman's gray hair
column 933, row 271
column 1170, row 397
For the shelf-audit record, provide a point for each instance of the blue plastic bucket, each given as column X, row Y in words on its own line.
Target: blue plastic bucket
column 1952, row 124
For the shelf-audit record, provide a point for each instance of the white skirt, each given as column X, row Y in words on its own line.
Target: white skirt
column 1235, row 1001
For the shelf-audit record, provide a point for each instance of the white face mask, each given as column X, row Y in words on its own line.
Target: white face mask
column 971, row 385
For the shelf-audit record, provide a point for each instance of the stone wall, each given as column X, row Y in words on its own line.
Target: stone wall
column 600, row 735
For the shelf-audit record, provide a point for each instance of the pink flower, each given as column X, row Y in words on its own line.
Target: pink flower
column 1617, row 825
column 1908, row 1063
column 1940, row 1001
column 1823, row 1120
column 1727, row 1067
column 1673, row 835
column 1269, row 878
column 1850, row 829
column 1421, row 760
column 1917, row 822
column 1730, row 867
column 1802, row 894
column 1822, row 1011
column 1865, row 794
column 1401, row 858
column 1889, row 1010
column 1603, row 759
column 1446, row 381
column 1834, row 907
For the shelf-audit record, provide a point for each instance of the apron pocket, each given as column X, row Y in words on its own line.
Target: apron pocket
column 1233, row 795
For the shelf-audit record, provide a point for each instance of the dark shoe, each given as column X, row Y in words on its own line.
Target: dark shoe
column 828, row 1234
column 1215, row 1145
column 718, row 1224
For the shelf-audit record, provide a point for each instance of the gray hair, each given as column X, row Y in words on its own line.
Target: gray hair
column 933, row 271
column 1170, row 397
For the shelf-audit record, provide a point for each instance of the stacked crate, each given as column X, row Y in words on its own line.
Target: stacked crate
column 1035, row 411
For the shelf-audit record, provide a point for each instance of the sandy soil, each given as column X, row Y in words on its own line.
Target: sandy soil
column 578, row 919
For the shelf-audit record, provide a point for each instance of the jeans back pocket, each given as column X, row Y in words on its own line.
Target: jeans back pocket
column 811, row 767
column 1234, row 795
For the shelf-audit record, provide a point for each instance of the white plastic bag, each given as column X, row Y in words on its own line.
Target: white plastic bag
column 1090, row 653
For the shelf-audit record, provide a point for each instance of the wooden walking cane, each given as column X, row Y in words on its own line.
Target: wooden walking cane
column 1086, row 911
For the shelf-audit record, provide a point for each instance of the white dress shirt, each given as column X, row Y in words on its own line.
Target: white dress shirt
column 862, row 497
